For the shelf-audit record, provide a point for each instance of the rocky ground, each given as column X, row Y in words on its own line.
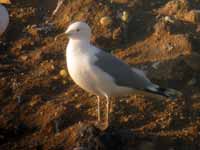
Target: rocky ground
column 42, row 109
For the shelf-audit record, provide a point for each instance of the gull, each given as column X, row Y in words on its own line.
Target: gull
column 4, row 16
column 103, row 74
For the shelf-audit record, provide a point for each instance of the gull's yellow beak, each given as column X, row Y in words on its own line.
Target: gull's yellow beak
column 5, row 2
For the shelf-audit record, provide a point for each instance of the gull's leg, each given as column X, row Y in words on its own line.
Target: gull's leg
column 107, row 110
column 98, row 108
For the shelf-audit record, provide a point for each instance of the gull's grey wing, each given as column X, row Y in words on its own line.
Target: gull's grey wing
column 122, row 73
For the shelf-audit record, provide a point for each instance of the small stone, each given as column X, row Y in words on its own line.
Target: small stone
column 79, row 106
column 106, row 21
column 56, row 113
column 169, row 47
column 52, row 67
column 19, row 46
column 168, row 19
column 125, row 16
column 75, row 95
column 55, row 77
column 32, row 43
column 155, row 65
column 19, row 99
column 33, row 103
column 24, row 57
column 63, row 73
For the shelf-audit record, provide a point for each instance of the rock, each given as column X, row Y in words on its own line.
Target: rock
column 155, row 65
column 63, row 73
column 168, row 19
column 169, row 47
column 106, row 21
column 24, row 57
column 125, row 16
column 35, row 100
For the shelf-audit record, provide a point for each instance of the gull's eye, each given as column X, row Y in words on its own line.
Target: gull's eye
column 77, row 30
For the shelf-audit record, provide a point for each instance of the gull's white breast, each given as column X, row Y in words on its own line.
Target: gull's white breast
column 4, row 19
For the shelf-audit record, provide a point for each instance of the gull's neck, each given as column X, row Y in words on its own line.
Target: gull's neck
column 78, row 46
column 82, row 40
column 79, row 42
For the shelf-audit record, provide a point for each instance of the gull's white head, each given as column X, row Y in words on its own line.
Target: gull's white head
column 79, row 31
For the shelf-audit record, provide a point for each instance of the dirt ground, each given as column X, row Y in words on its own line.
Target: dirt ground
column 42, row 109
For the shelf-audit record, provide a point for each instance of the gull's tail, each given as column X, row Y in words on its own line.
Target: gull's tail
column 167, row 92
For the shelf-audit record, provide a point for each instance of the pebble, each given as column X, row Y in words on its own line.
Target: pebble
column 79, row 106
column 52, row 67
column 168, row 19
column 75, row 95
column 33, row 103
column 169, row 47
column 156, row 65
column 55, row 77
column 24, row 57
column 106, row 21
column 19, row 99
column 125, row 16
column 63, row 73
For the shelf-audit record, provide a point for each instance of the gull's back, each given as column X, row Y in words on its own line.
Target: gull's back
column 121, row 72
